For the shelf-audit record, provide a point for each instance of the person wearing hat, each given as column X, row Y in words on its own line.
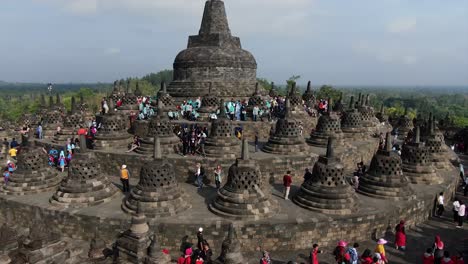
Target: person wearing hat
column 340, row 253
column 400, row 236
column 124, row 174
column 200, row 238
column 380, row 248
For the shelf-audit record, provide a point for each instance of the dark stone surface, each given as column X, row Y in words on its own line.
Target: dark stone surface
column 214, row 57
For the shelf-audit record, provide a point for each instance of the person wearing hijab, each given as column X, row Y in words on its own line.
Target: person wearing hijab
column 341, row 256
column 400, row 236
column 61, row 161
column 380, row 248
column 438, row 250
column 265, row 258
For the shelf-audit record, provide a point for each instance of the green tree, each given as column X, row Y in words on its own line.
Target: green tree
column 328, row 91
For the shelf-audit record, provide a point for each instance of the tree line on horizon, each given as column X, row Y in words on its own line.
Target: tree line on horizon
column 17, row 99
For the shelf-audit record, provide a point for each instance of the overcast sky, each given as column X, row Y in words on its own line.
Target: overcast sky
column 339, row 42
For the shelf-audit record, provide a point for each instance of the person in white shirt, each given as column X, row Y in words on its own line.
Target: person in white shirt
column 456, row 206
column 461, row 214
column 440, row 205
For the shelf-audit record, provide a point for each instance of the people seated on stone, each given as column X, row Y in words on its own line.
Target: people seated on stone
column 135, row 144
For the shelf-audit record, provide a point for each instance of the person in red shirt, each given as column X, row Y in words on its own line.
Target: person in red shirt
column 287, row 181
column 366, row 257
column 313, row 254
column 428, row 257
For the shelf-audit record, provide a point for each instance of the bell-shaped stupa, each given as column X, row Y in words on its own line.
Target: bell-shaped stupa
column 33, row 174
column 351, row 122
column 385, row 179
column 327, row 191
column 158, row 192
column 221, row 142
column 161, row 127
column 329, row 125
column 86, row 184
column 287, row 138
column 214, row 56
column 417, row 164
column 245, row 194
column 113, row 130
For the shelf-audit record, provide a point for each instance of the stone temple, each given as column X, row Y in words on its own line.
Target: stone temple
column 89, row 220
column 214, row 57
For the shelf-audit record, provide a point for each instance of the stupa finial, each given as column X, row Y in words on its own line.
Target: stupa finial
column 330, row 151
column 214, row 19
column 245, row 149
column 287, row 108
column 329, row 105
column 157, row 148
column 388, row 142
column 417, row 138
column 222, row 109
column 351, row 103
column 309, row 86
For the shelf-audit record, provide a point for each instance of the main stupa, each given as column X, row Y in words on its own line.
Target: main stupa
column 214, row 57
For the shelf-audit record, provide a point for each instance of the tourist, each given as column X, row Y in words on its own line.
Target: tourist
column 124, row 177
column 11, row 166
column 355, row 180
column 287, row 181
column 380, row 248
column 206, row 253
column 400, row 236
column 13, row 152
column 181, row 259
column 447, row 259
column 6, row 176
column 353, row 254
column 265, row 258
column 135, row 144
column 6, row 144
column 14, row 143
column 218, row 176
column 255, row 112
column 341, row 256
column 61, row 161
column 199, row 174
column 440, row 205
column 428, row 256
column 39, row 131
column 199, row 260
column 188, row 256
column 307, row 175
column 461, row 214
column 456, row 206
column 377, row 259
column 314, row 254
column 366, row 257
column 458, row 258
column 200, row 238
column 201, row 142
column 438, row 250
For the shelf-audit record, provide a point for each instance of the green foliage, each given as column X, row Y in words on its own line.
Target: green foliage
column 328, row 91
column 266, row 84
column 291, row 80
column 155, row 79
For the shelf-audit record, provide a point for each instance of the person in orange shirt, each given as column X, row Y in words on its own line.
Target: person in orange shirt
column 124, row 175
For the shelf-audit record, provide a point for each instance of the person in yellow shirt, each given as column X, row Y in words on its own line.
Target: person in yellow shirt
column 12, row 152
column 124, row 174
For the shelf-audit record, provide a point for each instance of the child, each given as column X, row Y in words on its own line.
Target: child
column 6, row 176
column 313, row 254
column 428, row 257
column 447, row 259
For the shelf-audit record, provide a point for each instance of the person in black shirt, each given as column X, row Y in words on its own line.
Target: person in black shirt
column 307, row 175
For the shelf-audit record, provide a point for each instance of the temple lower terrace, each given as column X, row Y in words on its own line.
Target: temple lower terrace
column 217, row 173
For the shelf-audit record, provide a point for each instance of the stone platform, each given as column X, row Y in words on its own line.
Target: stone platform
column 292, row 228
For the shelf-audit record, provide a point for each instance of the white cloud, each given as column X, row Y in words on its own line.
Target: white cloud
column 385, row 53
column 82, row 6
column 402, row 25
column 112, row 51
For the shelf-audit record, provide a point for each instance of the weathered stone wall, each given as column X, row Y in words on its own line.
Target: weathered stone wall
column 288, row 234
